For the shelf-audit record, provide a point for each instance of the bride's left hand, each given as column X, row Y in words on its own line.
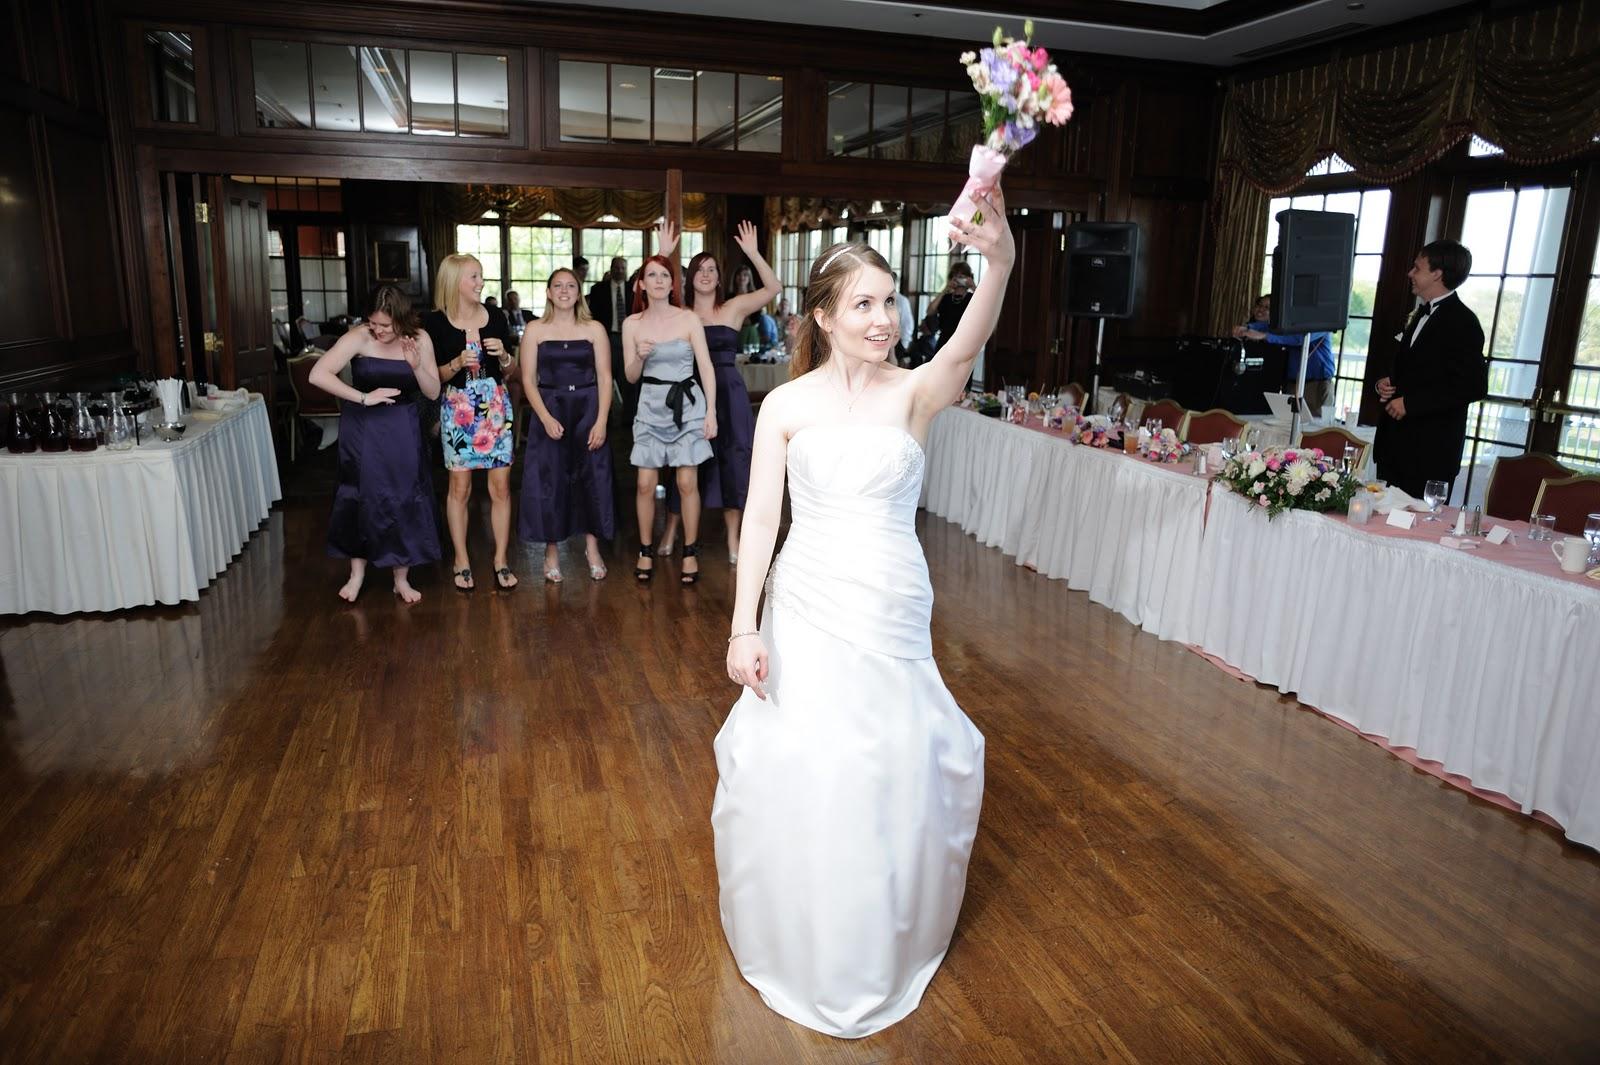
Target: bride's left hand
column 747, row 663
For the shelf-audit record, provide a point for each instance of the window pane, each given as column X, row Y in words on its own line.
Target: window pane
column 1364, row 284
column 1503, row 423
column 385, row 101
column 169, row 59
column 433, row 94
column 1487, row 225
column 966, row 127
column 848, row 118
column 889, row 103
column 1536, row 237
column 1580, row 434
column 674, row 107
column 1524, row 313
column 1344, row 203
column 333, row 69
column 760, row 113
column 1374, row 221
column 713, row 113
column 283, row 91
column 927, row 124
column 583, row 101
column 630, row 103
column 481, row 89
column 315, row 309
column 1480, row 294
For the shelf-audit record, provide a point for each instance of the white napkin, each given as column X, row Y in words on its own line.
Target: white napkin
column 170, row 392
column 1396, row 499
column 217, row 399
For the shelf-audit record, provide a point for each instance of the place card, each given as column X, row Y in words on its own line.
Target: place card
column 1498, row 534
column 1401, row 519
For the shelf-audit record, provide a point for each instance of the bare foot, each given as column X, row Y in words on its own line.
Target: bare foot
column 352, row 587
column 407, row 593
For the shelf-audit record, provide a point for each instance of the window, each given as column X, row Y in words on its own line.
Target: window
column 350, row 88
column 1331, row 165
column 278, row 282
column 1478, row 148
column 1514, row 235
column 320, row 195
column 483, row 241
column 1352, row 343
column 877, row 121
column 530, row 254
column 169, row 60
column 619, row 103
column 1579, row 444
column 930, row 263
column 324, row 289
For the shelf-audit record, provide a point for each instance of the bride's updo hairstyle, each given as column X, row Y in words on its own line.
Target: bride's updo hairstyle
column 831, row 274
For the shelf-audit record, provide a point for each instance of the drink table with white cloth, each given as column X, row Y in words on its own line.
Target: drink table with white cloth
column 1485, row 661
column 1122, row 528
column 106, row 530
column 762, row 377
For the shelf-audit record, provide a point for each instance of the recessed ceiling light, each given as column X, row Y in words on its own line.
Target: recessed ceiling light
column 626, row 85
column 1354, row 5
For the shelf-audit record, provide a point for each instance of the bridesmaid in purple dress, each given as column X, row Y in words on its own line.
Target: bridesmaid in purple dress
column 566, row 471
column 725, row 478
column 383, row 509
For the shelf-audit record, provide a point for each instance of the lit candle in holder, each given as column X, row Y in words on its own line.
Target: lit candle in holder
column 1360, row 509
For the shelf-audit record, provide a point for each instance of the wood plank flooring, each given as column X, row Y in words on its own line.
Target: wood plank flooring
column 270, row 827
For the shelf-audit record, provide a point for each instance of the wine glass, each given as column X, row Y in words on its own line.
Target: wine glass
column 1433, row 494
column 1591, row 532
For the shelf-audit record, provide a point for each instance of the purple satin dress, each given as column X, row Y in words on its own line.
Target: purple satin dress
column 725, row 476
column 566, row 488
column 383, row 509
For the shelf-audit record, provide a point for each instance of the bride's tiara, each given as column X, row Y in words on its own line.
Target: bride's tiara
column 837, row 252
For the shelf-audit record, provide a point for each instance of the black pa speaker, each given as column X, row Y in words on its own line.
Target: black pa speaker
column 1102, row 269
column 1311, row 269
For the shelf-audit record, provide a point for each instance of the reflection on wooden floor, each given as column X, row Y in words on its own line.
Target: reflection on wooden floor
column 270, row 827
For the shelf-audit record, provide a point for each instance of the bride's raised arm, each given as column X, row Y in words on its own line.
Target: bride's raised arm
column 758, row 532
column 941, row 381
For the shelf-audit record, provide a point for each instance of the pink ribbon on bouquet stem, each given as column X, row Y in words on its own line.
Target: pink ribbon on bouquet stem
column 983, row 174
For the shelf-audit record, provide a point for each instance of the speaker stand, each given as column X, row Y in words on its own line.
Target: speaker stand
column 1299, row 400
column 1093, row 405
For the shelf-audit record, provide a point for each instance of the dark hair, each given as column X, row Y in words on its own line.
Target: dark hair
column 1451, row 258
column 694, row 268
column 391, row 300
column 962, row 267
column 642, row 301
column 830, row 273
column 580, row 261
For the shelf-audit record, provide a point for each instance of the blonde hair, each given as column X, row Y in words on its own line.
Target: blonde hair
column 580, row 310
column 831, row 273
column 448, row 279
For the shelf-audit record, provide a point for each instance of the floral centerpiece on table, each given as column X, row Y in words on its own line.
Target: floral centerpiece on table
column 1165, row 447
column 1019, row 88
column 1279, row 479
column 1095, row 431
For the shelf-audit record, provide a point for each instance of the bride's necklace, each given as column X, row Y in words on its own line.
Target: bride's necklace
column 850, row 400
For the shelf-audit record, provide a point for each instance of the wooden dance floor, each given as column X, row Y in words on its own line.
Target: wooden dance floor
column 272, row 827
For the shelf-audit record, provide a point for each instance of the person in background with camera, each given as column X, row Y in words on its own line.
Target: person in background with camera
column 1319, row 370
column 951, row 303
column 1437, row 371
column 475, row 412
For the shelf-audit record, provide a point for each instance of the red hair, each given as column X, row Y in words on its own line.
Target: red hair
column 640, row 300
column 694, row 268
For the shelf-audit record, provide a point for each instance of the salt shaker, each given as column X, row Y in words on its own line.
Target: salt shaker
column 1476, row 528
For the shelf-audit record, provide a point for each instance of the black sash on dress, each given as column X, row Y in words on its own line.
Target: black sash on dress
column 678, row 393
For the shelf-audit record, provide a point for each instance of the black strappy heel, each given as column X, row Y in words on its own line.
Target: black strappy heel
column 691, row 551
column 641, row 574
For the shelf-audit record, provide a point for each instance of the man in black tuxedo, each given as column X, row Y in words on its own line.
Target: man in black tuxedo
column 1437, row 372
column 609, row 304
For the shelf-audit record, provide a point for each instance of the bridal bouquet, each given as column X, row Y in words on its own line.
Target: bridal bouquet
column 1019, row 88
column 1280, row 479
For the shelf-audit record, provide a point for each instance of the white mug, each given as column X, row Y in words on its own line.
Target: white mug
column 1572, row 552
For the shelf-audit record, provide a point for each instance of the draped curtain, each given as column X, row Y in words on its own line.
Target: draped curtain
column 1528, row 83
column 446, row 206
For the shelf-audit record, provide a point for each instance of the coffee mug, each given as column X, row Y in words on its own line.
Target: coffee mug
column 1572, row 552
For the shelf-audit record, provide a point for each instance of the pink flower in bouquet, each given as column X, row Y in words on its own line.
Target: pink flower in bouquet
column 1262, row 501
column 1060, row 107
column 1273, row 464
column 1318, row 453
column 1290, row 455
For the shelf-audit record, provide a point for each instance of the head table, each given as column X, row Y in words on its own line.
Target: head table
column 1486, row 661
column 107, row 530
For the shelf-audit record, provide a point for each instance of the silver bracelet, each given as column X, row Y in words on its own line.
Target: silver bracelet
column 752, row 632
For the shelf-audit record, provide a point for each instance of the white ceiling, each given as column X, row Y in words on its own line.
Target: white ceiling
column 1224, row 48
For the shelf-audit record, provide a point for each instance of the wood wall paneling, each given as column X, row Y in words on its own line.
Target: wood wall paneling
column 25, row 256
column 95, row 295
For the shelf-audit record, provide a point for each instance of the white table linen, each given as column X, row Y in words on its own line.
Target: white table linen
column 763, row 377
column 1125, row 530
column 109, row 530
column 1490, row 670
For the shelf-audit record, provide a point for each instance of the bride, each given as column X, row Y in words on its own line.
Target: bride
column 849, row 781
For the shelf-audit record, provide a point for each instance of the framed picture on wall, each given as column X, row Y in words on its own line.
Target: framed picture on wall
column 392, row 260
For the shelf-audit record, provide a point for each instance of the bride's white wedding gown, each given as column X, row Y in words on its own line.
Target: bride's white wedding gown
column 847, row 803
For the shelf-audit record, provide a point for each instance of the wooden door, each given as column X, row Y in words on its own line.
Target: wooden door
column 243, row 297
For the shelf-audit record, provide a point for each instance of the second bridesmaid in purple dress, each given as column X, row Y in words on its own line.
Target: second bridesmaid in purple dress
column 725, row 478
column 566, row 471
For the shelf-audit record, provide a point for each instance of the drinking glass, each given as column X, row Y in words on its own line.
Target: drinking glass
column 1543, row 528
column 119, row 427
column 1433, row 494
column 1349, row 465
column 1591, row 532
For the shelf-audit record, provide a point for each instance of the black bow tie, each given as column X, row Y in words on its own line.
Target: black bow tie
column 1423, row 311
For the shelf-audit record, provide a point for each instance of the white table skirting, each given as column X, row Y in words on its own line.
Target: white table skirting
column 1490, row 670
column 763, row 377
column 1122, row 529
column 109, row 530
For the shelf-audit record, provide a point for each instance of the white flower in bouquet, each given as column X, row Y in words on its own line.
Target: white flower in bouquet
column 1258, row 466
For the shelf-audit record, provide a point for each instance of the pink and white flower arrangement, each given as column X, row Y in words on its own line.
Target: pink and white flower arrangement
column 1095, row 431
column 1164, row 447
column 1019, row 89
column 1280, row 479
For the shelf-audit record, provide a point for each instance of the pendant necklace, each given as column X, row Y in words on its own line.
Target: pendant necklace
column 849, row 400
